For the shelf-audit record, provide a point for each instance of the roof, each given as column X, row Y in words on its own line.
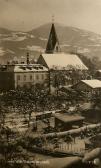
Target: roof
column 25, row 68
column 30, row 68
column 68, row 118
column 63, row 61
column 94, row 83
column 67, row 88
column 99, row 70
column 89, row 107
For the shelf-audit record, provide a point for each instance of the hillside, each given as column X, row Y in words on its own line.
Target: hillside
column 14, row 44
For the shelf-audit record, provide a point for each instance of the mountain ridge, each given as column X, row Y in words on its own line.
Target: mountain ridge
column 15, row 44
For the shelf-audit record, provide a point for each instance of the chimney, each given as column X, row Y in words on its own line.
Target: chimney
column 28, row 58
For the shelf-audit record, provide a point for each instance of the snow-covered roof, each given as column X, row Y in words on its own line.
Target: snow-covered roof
column 99, row 70
column 30, row 68
column 25, row 68
column 63, row 61
column 68, row 118
column 94, row 83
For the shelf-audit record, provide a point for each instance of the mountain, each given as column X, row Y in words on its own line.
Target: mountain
column 15, row 44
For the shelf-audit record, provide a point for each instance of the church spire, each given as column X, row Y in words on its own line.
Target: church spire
column 53, row 43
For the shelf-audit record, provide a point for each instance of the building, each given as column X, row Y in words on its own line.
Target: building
column 54, row 59
column 91, row 111
column 65, row 122
column 71, row 66
column 61, row 61
column 90, row 87
column 14, row 76
column 53, row 66
column 97, row 74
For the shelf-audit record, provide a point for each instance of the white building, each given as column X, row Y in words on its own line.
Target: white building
column 14, row 76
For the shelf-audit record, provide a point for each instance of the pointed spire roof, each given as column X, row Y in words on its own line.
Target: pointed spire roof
column 52, row 41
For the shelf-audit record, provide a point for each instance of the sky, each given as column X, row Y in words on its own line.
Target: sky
column 25, row 15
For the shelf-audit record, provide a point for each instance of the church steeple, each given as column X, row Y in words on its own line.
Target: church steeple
column 53, row 43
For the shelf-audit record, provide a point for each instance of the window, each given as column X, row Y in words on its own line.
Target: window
column 18, row 77
column 42, row 76
column 37, row 77
column 24, row 77
column 30, row 77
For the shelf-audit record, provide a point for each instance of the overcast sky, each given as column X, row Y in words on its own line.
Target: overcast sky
column 28, row 14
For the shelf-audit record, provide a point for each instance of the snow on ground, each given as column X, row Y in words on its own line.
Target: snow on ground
column 10, row 51
column 2, row 52
column 94, row 38
column 21, row 38
column 35, row 48
column 65, row 45
column 43, row 39
column 99, row 38
column 75, row 29
column 14, row 38
column 32, row 36
column 84, row 35
column 20, row 33
column 84, row 50
column 23, row 57
column 94, row 45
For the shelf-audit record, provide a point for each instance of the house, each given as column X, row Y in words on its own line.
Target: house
column 14, row 76
column 90, row 87
column 64, row 122
column 91, row 111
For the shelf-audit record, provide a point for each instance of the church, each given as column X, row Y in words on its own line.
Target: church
column 66, row 68
column 53, row 68
column 53, row 58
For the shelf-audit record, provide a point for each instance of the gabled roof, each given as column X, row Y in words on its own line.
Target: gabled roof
column 62, row 61
column 94, row 83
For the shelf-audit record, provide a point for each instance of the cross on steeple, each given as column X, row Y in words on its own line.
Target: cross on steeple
column 53, row 19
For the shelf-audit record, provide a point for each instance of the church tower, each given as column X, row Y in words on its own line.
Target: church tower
column 53, row 42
